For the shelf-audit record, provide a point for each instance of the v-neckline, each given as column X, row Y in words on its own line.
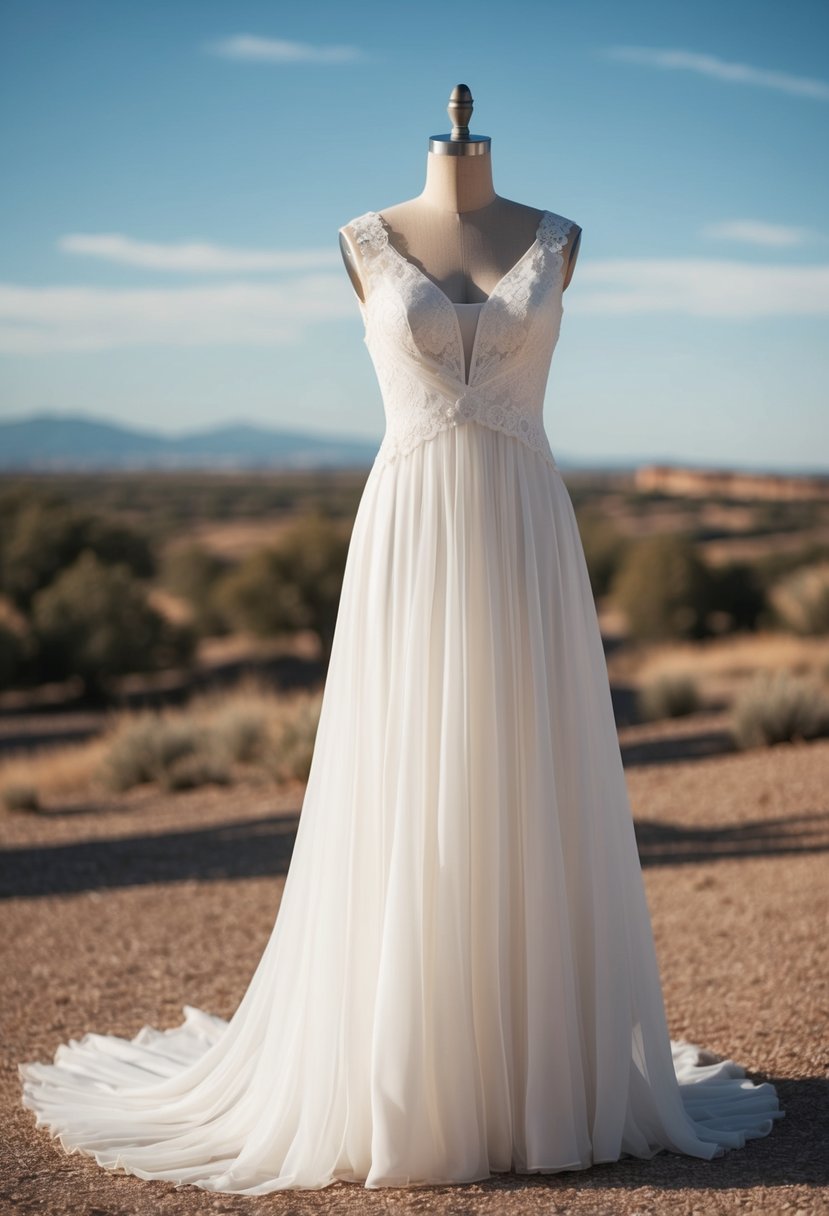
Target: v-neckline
column 467, row 371
column 437, row 286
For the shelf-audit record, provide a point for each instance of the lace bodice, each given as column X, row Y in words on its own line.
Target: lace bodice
column 415, row 341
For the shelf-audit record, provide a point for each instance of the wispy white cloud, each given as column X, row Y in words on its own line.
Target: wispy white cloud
column 193, row 256
column 697, row 287
column 35, row 320
column 721, row 69
column 757, row 232
column 280, row 50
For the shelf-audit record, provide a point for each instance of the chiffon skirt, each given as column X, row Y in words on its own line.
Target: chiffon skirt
column 461, row 978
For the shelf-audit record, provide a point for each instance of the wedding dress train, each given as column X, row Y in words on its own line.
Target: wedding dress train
column 461, row 977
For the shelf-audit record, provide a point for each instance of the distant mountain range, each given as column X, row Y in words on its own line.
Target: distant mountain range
column 66, row 442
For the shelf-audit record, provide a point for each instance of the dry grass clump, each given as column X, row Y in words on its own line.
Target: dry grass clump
column 275, row 734
column 173, row 749
column 667, row 695
column 240, row 719
column 194, row 769
column 218, row 738
column 801, row 601
column 778, row 707
column 292, row 743
column 215, row 738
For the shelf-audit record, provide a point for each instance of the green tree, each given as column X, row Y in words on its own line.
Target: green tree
column 664, row 588
column 193, row 573
column 94, row 621
column 737, row 595
column 293, row 586
column 45, row 537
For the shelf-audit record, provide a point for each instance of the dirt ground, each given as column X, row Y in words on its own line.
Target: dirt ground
column 116, row 916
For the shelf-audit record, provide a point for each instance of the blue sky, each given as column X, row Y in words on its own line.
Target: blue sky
column 175, row 174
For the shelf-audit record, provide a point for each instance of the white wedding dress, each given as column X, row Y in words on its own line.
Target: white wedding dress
column 461, row 977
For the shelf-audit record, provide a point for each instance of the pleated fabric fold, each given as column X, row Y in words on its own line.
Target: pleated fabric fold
column 461, row 977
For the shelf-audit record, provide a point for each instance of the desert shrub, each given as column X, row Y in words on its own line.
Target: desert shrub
column 180, row 750
column 174, row 750
column 604, row 549
column 669, row 695
column 664, row 588
column 293, row 737
column 177, row 737
column 242, row 730
column 777, row 707
column 773, row 567
column 94, row 621
column 193, row 574
column 737, row 599
column 196, row 769
column 117, row 543
column 133, row 754
column 801, row 601
column 44, row 538
column 256, row 597
column 20, row 796
column 41, row 539
column 293, row 586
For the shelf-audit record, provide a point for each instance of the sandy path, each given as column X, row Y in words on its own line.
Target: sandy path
column 117, row 917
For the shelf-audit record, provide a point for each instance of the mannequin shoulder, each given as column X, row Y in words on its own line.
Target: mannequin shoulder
column 361, row 239
column 350, row 251
column 350, row 241
column 570, row 250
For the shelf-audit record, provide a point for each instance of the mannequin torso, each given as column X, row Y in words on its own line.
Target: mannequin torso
column 459, row 233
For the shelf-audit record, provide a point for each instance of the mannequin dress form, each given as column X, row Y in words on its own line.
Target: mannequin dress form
column 461, row 978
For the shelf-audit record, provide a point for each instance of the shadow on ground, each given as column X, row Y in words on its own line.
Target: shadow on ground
column 262, row 847
column 667, row 844
column 698, row 746
column 252, row 848
column 793, row 1154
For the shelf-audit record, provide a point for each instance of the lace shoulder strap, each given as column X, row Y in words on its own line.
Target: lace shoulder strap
column 371, row 237
column 554, row 231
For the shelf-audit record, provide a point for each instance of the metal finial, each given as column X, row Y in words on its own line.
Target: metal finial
column 460, row 111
